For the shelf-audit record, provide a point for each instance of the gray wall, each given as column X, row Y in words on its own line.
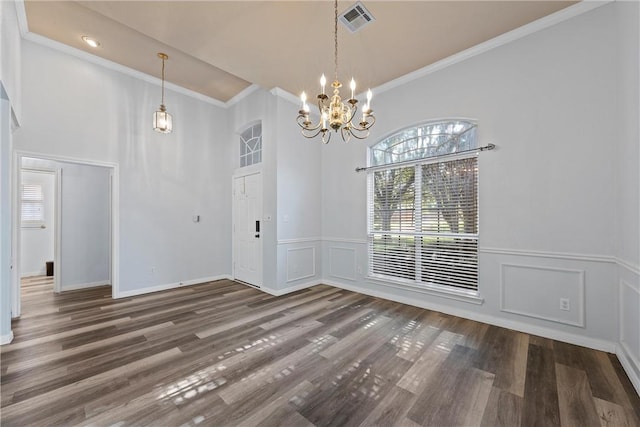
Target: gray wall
column 547, row 193
column 627, row 208
column 10, row 115
column 99, row 115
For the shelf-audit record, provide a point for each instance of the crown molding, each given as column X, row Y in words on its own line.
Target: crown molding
column 241, row 95
column 81, row 54
column 287, row 96
column 21, row 13
column 503, row 39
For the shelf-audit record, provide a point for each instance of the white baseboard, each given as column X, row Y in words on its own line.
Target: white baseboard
column 630, row 365
column 85, row 285
column 6, row 339
column 567, row 337
column 279, row 292
column 150, row 289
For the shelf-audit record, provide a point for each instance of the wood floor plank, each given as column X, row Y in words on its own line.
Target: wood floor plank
column 392, row 409
column 417, row 335
column 279, row 410
column 577, row 408
column 456, row 394
column 503, row 409
column 262, row 314
column 347, row 397
column 612, row 414
column 504, row 353
column 23, row 413
column 225, row 354
column 429, row 362
column 541, row 392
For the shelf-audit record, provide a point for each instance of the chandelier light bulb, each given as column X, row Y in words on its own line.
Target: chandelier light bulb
column 352, row 85
column 323, row 82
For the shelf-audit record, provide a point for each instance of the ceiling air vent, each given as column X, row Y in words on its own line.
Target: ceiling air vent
column 356, row 17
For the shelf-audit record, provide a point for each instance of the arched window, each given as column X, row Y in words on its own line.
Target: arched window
column 251, row 145
column 423, row 206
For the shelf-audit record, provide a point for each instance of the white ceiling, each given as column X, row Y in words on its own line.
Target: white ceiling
column 219, row 48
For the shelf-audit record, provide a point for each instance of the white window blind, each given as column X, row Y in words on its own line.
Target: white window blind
column 423, row 221
column 32, row 205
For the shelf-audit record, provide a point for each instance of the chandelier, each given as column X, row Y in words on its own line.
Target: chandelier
column 335, row 114
column 162, row 120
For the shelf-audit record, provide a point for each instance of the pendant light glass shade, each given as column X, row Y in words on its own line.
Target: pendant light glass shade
column 162, row 120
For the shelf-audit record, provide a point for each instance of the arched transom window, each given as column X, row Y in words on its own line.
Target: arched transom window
column 423, row 206
column 427, row 140
column 251, row 145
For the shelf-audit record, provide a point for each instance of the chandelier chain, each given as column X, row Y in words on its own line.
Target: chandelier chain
column 335, row 40
column 162, row 81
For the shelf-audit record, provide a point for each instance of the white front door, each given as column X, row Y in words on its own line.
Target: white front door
column 247, row 227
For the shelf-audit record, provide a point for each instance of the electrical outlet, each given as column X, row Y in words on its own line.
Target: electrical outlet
column 565, row 304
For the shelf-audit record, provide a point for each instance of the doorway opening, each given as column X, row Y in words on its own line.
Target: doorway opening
column 38, row 210
column 65, row 226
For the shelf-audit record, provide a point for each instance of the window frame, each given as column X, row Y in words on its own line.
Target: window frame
column 32, row 223
column 417, row 233
column 247, row 155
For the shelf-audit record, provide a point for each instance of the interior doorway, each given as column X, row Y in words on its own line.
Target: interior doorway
column 247, row 237
column 83, row 223
column 38, row 212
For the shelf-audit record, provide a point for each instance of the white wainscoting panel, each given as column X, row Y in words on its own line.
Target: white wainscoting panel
column 535, row 291
column 301, row 263
column 342, row 263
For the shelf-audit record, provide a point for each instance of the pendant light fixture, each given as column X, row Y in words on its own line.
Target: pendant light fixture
column 162, row 120
column 335, row 114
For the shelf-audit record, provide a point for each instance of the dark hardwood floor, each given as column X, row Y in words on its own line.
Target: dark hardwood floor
column 223, row 354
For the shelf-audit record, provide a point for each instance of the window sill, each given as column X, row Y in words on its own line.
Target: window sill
column 34, row 225
column 464, row 296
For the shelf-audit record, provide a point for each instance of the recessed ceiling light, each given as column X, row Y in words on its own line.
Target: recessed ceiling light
column 91, row 42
